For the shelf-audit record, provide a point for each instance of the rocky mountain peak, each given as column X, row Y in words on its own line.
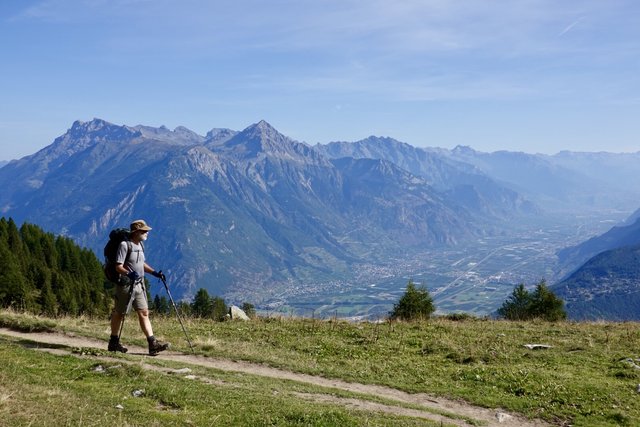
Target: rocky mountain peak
column 264, row 131
column 81, row 136
column 382, row 140
column 463, row 150
column 263, row 140
column 98, row 128
column 218, row 136
column 179, row 136
column 93, row 125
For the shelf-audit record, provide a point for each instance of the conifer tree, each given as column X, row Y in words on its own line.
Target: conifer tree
column 517, row 306
column 542, row 303
column 202, row 305
column 546, row 305
column 416, row 303
column 48, row 300
column 13, row 291
column 219, row 309
column 161, row 305
column 42, row 273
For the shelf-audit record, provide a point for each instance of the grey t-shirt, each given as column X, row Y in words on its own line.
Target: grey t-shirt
column 135, row 262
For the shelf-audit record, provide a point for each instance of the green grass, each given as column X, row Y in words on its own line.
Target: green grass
column 41, row 389
column 26, row 322
column 583, row 380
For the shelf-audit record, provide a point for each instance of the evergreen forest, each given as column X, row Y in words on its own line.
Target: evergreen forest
column 46, row 274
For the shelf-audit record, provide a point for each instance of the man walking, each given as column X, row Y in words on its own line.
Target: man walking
column 131, row 265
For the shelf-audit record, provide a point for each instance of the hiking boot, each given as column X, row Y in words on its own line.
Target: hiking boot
column 156, row 347
column 116, row 346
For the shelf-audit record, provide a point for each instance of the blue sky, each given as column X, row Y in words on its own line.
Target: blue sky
column 519, row 75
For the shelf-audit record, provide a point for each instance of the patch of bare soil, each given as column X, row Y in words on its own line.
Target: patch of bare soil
column 445, row 411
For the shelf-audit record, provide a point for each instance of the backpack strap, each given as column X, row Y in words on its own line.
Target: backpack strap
column 129, row 249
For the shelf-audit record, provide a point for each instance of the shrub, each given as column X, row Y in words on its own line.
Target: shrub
column 249, row 309
column 416, row 303
column 546, row 305
column 542, row 303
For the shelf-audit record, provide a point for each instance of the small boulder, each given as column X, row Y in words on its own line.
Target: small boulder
column 502, row 417
column 537, row 346
column 236, row 313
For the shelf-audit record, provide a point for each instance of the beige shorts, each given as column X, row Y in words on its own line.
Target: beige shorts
column 122, row 295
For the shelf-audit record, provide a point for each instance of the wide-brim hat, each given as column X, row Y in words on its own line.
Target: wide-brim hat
column 139, row 225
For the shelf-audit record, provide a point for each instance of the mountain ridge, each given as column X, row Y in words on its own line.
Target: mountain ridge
column 607, row 286
column 228, row 206
column 247, row 211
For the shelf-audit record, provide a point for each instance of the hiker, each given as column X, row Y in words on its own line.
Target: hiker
column 131, row 265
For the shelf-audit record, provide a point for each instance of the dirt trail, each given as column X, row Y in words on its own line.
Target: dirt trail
column 433, row 405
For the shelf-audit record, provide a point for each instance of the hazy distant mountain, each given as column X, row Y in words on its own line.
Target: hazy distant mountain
column 462, row 181
column 230, row 209
column 617, row 237
column 379, row 193
column 606, row 287
column 632, row 218
column 3, row 162
column 619, row 170
column 567, row 181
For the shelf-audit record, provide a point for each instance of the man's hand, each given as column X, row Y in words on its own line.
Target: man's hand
column 159, row 274
column 133, row 276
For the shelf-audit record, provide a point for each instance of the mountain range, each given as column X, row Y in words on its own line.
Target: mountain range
column 252, row 211
column 231, row 209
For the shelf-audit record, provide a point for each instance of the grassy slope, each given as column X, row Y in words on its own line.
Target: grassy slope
column 583, row 379
column 40, row 389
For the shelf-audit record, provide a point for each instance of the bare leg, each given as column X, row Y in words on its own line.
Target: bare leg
column 116, row 321
column 145, row 323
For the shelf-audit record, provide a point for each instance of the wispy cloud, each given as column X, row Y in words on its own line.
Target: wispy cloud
column 570, row 27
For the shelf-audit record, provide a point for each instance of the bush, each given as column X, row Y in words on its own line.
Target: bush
column 415, row 304
column 249, row 309
column 459, row 317
column 206, row 306
column 542, row 303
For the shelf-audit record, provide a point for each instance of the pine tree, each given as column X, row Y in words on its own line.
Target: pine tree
column 161, row 305
column 219, row 309
column 416, row 303
column 546, row 305
column 202, row 305
column 48, row 300
column 542, row 303
column 13, row 290
column 517, row 306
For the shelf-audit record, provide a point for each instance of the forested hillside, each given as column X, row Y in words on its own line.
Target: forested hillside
column 606, row 287
column 48, row 274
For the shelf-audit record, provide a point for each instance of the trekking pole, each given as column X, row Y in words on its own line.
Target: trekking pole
column 177, row 314
column 126, row 312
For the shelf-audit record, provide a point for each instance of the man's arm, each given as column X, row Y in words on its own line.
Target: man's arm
column 121, row 269
column 153, row 272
